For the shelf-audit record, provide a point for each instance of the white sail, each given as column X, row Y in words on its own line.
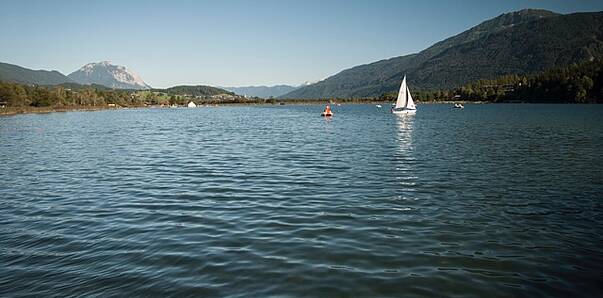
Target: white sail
column 410, row 104
column 401, row 101
column 404, row 103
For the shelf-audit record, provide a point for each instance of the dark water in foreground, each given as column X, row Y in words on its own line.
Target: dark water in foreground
column 489, row 201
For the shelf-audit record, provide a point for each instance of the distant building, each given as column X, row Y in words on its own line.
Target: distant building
column 192, row 105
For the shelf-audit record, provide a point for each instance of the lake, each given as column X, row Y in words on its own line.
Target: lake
column 492, row 200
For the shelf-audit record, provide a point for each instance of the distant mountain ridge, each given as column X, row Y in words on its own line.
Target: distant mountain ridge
column 106, row 74
column 18, row 74
column 262, row 91
column 197, row 90
column 520, row 42
column 98, row 79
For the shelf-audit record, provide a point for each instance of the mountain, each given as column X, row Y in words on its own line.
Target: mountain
column 106, row 74
column 521, row 42
column 77, row 87
column 18, row 74
column 262, row 91
column 199, row 90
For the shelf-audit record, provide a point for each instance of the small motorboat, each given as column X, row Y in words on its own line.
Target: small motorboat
column 379, row 106
column 327, row 112
column 458, row 106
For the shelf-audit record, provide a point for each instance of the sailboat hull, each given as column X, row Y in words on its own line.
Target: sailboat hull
column 404, row 111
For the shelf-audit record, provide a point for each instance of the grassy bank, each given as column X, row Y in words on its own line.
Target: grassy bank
column 6, row 111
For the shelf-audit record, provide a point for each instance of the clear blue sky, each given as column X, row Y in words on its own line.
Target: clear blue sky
column 235, row 43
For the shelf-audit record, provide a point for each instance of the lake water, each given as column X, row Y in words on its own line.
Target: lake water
column 488, row 201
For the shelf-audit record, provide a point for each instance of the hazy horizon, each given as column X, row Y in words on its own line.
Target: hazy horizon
column 236, row 43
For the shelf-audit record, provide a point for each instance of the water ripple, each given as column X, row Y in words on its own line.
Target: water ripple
column 493, row 200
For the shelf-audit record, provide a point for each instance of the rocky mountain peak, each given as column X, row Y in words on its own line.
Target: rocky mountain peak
column 110, row 75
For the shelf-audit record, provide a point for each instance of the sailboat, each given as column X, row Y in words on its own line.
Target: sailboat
column 404, row 103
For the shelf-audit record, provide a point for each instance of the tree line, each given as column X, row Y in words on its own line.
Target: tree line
column 574, row 83
column 18, row 95
column 73, row 95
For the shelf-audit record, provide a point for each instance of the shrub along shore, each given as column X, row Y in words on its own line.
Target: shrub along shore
column 6, row 111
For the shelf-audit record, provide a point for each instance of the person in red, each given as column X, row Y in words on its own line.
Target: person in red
column 327, row 111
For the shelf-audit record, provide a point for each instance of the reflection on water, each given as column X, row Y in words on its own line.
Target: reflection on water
column 405, row 160
column 405, row 125
column 493, row 200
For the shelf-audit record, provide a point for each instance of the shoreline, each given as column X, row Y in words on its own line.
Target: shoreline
column 11, row 111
